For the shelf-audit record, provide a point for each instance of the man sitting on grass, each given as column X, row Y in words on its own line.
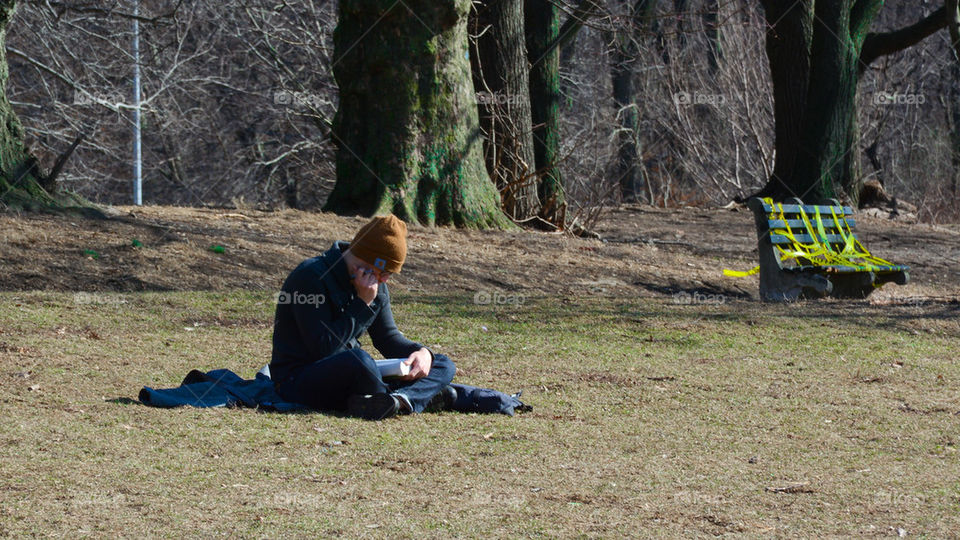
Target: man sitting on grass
column 325, row 304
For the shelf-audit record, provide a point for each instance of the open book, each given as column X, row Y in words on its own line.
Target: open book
column 393, row 367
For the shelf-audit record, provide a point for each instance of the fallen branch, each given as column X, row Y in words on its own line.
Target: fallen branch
column 796, row 487
column 49, row 182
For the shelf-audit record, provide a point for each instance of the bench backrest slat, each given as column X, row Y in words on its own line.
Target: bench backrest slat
column 832, row 239
column 796, row 224
column 808, row 209
column 789, row 216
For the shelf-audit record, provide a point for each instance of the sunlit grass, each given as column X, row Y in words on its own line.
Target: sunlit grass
column 650, row 418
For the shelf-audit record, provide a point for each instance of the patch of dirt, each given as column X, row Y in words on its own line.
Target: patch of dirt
column 644, row 251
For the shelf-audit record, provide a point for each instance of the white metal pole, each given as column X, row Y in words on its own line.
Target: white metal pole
column 137, row 156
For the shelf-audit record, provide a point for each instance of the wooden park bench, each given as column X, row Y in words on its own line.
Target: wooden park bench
column 809, row 251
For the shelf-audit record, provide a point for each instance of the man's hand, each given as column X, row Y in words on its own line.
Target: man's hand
column 419, row 363
column 365, row 282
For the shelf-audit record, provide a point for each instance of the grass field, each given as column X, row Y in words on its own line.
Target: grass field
column 651, row 418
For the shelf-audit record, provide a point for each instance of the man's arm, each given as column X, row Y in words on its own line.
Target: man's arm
column 322, row 327
column 391, row 343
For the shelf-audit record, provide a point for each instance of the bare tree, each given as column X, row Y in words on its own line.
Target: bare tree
column 240, row 98
column 233, row 109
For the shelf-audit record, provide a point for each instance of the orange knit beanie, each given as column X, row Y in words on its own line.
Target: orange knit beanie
column 382, row 243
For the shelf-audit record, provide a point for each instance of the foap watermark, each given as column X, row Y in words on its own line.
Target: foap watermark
column 497, row 98
column 687, row 99
column 498, row 298
column 93, row 298
column 105, row 500
column 81, row 97
column 694, row 498
column 300, row 299
column 896, row 498
column 298, row 99
column 896, row 98
column 697, row 298
column 304, row 500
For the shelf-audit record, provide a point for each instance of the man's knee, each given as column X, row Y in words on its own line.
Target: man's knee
column 445, row 366
column 361, row 362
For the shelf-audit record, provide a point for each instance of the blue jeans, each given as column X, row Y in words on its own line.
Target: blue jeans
column 328, row 383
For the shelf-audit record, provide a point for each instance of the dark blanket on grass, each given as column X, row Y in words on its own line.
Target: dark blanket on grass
column 224, row 388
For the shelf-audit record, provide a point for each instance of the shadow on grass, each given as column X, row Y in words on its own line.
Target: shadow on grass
column 676, row 290
column 123, row 401
column 702, row 304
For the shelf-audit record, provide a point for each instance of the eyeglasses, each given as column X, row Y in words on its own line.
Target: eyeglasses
column 382, row 275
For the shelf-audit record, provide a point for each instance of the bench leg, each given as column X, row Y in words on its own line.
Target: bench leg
column 854, row 285
column 900, row 278
column 861, row 284
column 787, row 286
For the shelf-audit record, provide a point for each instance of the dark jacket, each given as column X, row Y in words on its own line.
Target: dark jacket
column 220, row 388
column 319, row 314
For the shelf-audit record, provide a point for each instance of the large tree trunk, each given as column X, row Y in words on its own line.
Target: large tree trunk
column 828, row 165
column 501, row 78
column 814, row 49
column 407, row 133
column 628, row 169
column 711, row 28
column 11, row 133
column 954, row 122
column 817, row 51
column 543, row 31
column 18, row 173
column 789, row 37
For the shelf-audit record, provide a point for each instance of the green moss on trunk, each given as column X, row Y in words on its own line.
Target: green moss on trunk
column 502, row 76
column 814, row 49
column 19, row 185
column 826, row 161
column 407, row 133
column 12, row 154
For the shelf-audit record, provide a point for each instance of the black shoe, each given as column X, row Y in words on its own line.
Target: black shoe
column 373, row 406
column 444, row 400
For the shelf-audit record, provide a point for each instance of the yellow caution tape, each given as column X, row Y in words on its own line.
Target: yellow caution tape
column 740, row 273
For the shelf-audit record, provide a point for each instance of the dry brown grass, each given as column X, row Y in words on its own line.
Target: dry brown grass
column 652, row 417
column 647, row 252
